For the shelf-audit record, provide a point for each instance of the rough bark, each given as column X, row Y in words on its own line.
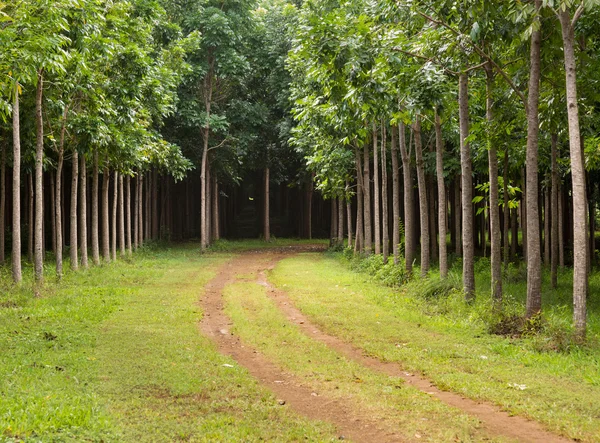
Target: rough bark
column 409, row 236
column 496, row 251
column 266, row 207
column 580, row 246
column 73, row 227
column 368, row 243
column 534, row 265
column 441, row 195
column 468, row 247
column 83, row 213
column 39, row 177
column 16, row 190
column 423, row 207
column 105, row 215
column 376, row 192
column 395, row 197
column 95, row 211
column 385, row 236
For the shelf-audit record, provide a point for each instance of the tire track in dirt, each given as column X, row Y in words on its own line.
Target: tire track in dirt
column 494, row 420
column 349, row 422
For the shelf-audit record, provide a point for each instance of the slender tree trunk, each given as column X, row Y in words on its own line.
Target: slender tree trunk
column 395, row 197
column 128, row 214
column 16, row 191
column 136, row 212
column 155, row 224
column 546, row 227
column 73, row 227
column 368, row 244
column 561, row 244
column 95, row 211
column 409, row 231
column 580, row 246
column 467, row 191
column 207, row 206
column 384, row 195
column 215, row 212
column 554, row 208
column 39, row 177
column 203, row 191
column 115, row 206
column 359, row 243
column 376, row 192
column 3, row 205
column 506, row 208
column 458, row 214
column 53, row 211
column 105, row 215
column 534, row 265
column 523, row 208
column 423, row 207
column 349, row 215
column 140, row 209
column 340, row 220
column 83, row 213
column 496, row 251
column 441, row 194
column 148, row 211
column 514, row 241
column 59, row 215
column 30, row 216
column 266, row 207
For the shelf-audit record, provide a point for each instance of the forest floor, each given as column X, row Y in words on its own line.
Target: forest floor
column 278, row 344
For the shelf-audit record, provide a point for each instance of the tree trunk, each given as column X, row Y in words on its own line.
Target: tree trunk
column 496, row 251
column 140, row 209
column 554, row 216
column 349, row 215
column 16, row 191
column 215, row 212
column 409, row 239
column 83, row 213
column 155, row 225
column 340, row 220
column 467, row 191
column 105, row 215
column 115, row 206
column 514, row 241
column 439, row 169
column 376, row 192
column 136, row 212
column 266, row 207
column 580, row 246
column 30, row 216
column 534, row 266
column 384, row 195
column 523, row 208
column 395, row 197
column 58, row 215
column 458, row 214
column 73, row 227
column 203, row 191
column 128, row 214
column 368, row 243
column 39, row 177
column 53, row 211
column 359, row 243
column 3, row 205
column 546, row 227
column 95, row 211
column 561, row 244
column 506, row 208
column 423, row 207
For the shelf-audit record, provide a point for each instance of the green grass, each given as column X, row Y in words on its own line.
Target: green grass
column 115, row 354
column 448, row 342
column 253, row 244
column 261, row 325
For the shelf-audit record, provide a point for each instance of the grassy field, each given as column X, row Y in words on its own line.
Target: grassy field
column 447, row 340
column 114, row 354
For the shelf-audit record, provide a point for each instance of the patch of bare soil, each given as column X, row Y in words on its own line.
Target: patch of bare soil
column 493, row 419
column 350, row 422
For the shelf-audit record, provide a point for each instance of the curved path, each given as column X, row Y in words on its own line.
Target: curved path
column 349, row 422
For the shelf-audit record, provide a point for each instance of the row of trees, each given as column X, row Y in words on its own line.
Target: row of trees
column 480, row 86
